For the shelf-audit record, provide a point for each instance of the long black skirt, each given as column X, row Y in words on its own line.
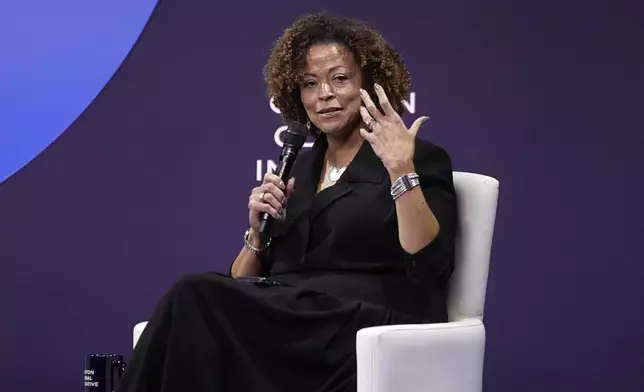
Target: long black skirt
column 214, row 333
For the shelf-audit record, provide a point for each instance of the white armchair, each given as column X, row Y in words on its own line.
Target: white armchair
column 445, row 357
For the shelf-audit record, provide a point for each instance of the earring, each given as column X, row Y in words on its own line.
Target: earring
column 308, row 124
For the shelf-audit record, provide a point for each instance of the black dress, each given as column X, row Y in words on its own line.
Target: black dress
column 335, row 266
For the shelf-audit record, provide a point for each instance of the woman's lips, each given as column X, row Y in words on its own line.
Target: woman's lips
column 330, row 114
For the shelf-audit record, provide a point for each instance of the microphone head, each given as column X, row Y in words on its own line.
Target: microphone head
column 296, row 134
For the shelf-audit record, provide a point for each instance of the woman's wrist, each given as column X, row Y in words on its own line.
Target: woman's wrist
column 254, row 238
column 256, row 244
column 400, row 170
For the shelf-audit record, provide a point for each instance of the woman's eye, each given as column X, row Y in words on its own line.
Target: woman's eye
column 341, row 78
column 310, row 83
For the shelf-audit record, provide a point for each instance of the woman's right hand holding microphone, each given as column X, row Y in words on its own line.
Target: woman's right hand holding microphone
column 270, row 197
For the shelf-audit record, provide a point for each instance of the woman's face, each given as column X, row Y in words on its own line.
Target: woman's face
column 330, row 89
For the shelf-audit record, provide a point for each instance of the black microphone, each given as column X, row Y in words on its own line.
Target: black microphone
column 294, row 139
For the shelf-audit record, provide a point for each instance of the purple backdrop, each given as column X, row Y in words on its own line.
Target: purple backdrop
column 151, row 181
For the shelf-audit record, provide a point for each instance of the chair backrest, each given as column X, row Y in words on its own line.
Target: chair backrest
column 477, row 202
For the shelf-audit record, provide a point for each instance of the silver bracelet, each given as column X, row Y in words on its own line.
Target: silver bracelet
column 403, row 184
column 251, row 248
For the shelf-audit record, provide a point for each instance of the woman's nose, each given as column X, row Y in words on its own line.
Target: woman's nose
column 325, row 92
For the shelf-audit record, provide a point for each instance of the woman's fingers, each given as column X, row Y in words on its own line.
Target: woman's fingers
column 271, row 178
column 415, row 127
column 272, row 189
column 273, row 200
column 257, row 207
column 370, row 106
column 271, row 196
column 367, row 119
column 267, row 194
column 289, row 187
column 384, row 101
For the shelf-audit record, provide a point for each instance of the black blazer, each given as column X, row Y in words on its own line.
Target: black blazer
column 344, row 240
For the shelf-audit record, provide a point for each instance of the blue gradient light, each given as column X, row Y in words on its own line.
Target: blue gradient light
column 55, row 57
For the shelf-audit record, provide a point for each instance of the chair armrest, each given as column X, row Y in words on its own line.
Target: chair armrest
column 443, row 357
column 138, row 330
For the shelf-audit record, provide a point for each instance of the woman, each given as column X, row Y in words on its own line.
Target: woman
column 367, row 237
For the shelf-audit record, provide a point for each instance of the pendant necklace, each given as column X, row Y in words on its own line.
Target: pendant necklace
column 334, row 173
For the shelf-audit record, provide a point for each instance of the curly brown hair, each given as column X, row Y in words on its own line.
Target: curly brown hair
column 379, row 62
